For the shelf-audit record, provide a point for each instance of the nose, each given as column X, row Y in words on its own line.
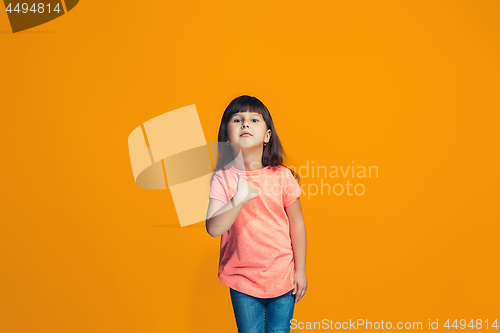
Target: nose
column 244, row 124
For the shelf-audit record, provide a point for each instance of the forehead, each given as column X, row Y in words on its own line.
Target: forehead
column 246, row 113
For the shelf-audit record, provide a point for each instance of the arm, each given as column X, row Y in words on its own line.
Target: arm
column 221, row 217
column 299, row 245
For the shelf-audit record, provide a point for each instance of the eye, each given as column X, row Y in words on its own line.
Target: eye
column 237, row 120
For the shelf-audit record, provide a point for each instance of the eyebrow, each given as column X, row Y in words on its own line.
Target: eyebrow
column 253, row 114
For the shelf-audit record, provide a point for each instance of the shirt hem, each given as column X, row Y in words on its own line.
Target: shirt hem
column 251, row 293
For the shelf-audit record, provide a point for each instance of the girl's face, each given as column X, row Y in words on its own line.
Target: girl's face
column 248, row 130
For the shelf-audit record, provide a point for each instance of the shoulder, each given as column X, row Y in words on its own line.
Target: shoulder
column 217, row 175
column 277, row 168
column 289, row 175
column 284, row 171
column 281, row 173
column 275, row 171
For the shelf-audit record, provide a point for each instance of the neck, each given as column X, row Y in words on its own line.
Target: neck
column 249, row 160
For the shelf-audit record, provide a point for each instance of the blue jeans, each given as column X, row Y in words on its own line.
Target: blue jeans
column 262, row 315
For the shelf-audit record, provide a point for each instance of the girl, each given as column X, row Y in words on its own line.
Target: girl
column 254, row 206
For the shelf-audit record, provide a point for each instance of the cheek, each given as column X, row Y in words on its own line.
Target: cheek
column 262, row 132
column 230, row 131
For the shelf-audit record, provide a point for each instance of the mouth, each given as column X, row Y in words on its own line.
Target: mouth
column 246, row 134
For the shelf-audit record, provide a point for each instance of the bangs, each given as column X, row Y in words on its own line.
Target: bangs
column 249, row 107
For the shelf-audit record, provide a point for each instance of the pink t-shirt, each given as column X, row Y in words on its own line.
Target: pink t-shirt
column 256, row 256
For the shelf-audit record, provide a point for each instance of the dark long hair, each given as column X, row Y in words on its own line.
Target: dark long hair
column 272, row 154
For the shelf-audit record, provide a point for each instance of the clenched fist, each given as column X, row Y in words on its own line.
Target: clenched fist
column 246, row 189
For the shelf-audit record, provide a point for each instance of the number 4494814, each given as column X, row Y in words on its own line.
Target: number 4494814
column 478, row 324
column 36, row 8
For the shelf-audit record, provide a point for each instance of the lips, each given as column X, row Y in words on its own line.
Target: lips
column 246, row 134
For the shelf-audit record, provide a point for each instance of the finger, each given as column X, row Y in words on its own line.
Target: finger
column 302, row 292
column 241, row 177
column 299, row 294
column 294, row 289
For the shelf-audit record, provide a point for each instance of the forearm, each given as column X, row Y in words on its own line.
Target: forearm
column 223, row 219
column 299, row 244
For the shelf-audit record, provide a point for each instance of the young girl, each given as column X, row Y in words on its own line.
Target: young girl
column 254, row 206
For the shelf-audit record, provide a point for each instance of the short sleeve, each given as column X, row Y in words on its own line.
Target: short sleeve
column 291, row 188
column 217, row 189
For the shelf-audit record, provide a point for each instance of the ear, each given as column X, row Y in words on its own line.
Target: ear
column 268, row 136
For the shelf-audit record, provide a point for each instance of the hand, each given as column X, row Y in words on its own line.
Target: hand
column 246, row 189
column 299, row 289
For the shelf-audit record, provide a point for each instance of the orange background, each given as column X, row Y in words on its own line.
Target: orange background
column 408, row 86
